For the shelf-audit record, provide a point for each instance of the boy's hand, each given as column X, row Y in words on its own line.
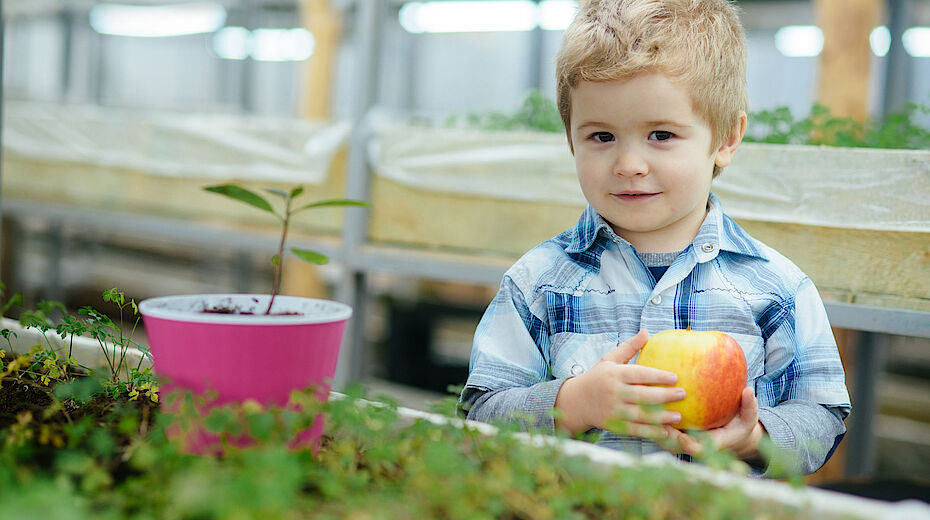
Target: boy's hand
column 615, row 389
column 740, row 436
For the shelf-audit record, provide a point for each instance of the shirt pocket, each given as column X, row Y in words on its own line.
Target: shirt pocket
column 754, row 350
column 573, row 354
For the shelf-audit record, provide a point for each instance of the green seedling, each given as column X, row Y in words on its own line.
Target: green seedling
column 254, row 199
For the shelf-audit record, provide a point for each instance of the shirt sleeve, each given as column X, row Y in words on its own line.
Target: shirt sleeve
column 804, row 435
column 802, row 395
column 533, row 405
column 509, row 360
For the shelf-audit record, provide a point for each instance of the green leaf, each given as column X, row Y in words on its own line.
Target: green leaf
column 296, row 192
column 242, row 195
column 81, row 389
column 275, row 260
column 114, row 295
column 310, row 256
column 16, row 299
column 332, row 202
column 275, row 191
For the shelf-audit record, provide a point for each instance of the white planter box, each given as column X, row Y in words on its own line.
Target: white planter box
column 818, row 503
column 87, row 351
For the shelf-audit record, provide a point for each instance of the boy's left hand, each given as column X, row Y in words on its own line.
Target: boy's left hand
column 740, row 436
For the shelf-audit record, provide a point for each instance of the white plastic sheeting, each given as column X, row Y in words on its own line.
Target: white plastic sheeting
column 205, row 146
column 886, row 190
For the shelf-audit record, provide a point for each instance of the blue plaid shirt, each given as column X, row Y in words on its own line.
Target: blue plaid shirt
column 573, row 298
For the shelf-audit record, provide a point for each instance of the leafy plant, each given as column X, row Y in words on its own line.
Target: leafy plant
column 253, row 199
column 371, row 464
column 897, row 130
column 537, row 112
column 901, row 129
column 44, row 364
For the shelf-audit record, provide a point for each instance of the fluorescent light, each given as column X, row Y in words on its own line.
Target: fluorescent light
column 238, row 43
column 233, row 43
column 457, row 16
column 157, row 20
column 282, row 44
column 555, row 15
column 916, row 41
column 880, row 40
column 799, row 40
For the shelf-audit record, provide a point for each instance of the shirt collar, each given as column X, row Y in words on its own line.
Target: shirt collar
column 717, row 232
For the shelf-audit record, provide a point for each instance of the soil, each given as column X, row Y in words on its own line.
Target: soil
column 19, row 395
column 232, row 310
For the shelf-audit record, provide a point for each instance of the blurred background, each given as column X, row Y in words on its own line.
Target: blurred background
column 116, row 113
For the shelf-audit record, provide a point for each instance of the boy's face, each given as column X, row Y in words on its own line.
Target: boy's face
column 644, row 159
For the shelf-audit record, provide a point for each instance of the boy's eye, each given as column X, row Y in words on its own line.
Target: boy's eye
column 661, row 135
column 602, row 137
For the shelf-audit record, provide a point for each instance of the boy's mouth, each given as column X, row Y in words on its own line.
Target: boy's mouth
column 635, row 196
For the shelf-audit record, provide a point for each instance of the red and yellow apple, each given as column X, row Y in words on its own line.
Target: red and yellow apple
column 711, row 367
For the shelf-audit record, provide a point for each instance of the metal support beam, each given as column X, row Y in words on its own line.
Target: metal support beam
column 367, row 30
column 897, row 73
column 860, row 439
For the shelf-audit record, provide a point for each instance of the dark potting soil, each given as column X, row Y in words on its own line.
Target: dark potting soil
column 231, row 310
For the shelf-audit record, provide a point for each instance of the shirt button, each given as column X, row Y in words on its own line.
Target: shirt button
column 657, row 299
column 707, row 248
column 577, row 369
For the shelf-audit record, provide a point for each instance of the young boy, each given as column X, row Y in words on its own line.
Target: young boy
column 652, row 94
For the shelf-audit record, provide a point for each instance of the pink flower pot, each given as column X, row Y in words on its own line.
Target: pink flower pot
column 236, row 357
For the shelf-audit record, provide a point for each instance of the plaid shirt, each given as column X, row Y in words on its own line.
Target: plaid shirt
column 573, row 298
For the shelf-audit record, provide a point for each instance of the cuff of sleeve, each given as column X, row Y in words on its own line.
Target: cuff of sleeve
column 779, row 433
column 778, row 430
column 540, row 402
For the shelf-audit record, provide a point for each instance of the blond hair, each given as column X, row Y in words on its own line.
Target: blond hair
column 699, row 43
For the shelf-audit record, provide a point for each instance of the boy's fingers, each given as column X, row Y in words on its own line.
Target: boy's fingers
column 636, row 429
column 626, row 350
column 749, row 402
column 656, row 416
column 684, row 442
column 654, row 395
column 640, row 375
column 749, row 406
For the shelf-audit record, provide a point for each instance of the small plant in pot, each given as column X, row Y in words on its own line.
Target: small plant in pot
column 238, row 347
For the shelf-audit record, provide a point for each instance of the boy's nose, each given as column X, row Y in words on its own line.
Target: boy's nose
column 629, row 163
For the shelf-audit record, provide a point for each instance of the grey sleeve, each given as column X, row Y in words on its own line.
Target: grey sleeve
column 532, row 405
column 804, row 434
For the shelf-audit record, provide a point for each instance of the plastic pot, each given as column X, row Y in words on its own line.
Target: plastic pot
column 245, row 355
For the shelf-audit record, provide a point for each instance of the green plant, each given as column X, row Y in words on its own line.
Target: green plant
column 253, row 199
column 43, row 363
column 900, row 129
column 371, row 464
column 537, row 113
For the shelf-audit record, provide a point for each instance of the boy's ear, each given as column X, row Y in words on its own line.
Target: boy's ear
column 728, row 147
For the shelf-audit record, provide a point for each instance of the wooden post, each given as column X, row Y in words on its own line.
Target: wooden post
column 319, row 17
column 843, row 87
column 846, row 59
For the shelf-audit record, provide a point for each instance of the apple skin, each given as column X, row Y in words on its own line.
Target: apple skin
column 711, row 367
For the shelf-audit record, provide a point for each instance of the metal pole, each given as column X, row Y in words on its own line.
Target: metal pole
column 66, row 18
column 536, row 45
column 860, row 447
column 897, row 71
column 367, row 32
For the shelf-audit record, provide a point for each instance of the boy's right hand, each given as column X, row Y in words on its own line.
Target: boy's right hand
column 613, row 388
